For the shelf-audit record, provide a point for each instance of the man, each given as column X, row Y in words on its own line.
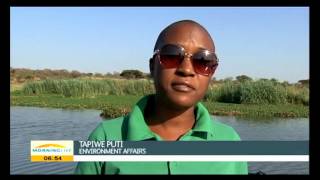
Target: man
column 182, row 66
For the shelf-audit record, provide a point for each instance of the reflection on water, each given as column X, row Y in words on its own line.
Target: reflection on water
column 278, row 129
column 269, row 129
column 31, row 123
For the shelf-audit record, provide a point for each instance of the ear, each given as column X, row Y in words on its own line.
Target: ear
column 151, row 66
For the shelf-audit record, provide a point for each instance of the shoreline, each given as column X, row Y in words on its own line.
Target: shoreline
column 112, row 106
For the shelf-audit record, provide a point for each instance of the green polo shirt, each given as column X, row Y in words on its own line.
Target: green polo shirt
column 134, row 128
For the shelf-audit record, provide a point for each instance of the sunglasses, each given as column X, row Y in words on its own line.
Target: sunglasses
column 204, row 62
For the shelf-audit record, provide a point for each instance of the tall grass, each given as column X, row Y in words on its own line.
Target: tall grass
column 89, row 88
column 258, row 92
column 298, row 95
column 248, row 92
column 262, row 92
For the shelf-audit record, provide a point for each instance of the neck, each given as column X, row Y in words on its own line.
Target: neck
column 174, row 121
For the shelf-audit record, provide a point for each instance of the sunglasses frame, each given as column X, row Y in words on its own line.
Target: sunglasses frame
column 189, row 55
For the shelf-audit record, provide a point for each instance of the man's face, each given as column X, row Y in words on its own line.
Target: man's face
column 182, row 87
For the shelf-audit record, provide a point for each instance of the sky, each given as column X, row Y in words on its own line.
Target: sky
column 260, row 42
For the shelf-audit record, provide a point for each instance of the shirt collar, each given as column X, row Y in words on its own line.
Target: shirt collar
column 139, row 130
column 137, row 127
column 203, row 119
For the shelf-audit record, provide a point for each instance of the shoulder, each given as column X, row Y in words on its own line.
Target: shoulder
column 112, row 123
column 109, row 129
column 224, row 132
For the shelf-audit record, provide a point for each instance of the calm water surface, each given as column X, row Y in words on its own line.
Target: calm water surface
column 32, row 123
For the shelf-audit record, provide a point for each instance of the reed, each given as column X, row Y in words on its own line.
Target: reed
column 248, row 92
column 89, row 88
column 258, row 92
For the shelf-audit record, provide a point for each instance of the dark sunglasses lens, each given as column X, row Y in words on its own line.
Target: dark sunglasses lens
column 171, row 56
column 205, row 62
column 205, row 55
column 204, row 67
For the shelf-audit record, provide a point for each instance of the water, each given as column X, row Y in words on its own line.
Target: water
column 31, row 123
column 277, row 129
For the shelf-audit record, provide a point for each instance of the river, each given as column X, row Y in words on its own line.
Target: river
column 33, row 123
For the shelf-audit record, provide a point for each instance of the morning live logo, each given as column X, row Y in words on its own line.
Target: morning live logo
column 44, row 147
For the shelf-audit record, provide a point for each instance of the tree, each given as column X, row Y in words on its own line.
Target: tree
column 75, row 74
column 148, row 75
column 29, row 77
column 304, row 82
column 263, row 79
column 243, row 78
column 132, row 74
column 286, row 83
column 62, row 73
column 274, row 80
column 108, row 74
column 98, row 75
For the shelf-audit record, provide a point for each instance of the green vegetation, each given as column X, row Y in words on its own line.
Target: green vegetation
column 258, row 111
column 89, row 88
column 115, row 96
column 21, row 75
column 132, row 74
column 115, row 106
column 58, row 101
column 258, row 92
column 246, row 92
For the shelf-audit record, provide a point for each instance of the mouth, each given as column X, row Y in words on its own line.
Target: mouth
column 182, row 86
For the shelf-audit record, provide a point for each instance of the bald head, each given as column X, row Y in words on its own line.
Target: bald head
column 185, row 30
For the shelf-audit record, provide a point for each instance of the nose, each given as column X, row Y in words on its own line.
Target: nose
column 186, row 67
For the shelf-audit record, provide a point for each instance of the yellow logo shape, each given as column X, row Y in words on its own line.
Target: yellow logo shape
column 50, row 145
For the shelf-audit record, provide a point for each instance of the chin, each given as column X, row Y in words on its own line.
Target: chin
column 182, row 101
